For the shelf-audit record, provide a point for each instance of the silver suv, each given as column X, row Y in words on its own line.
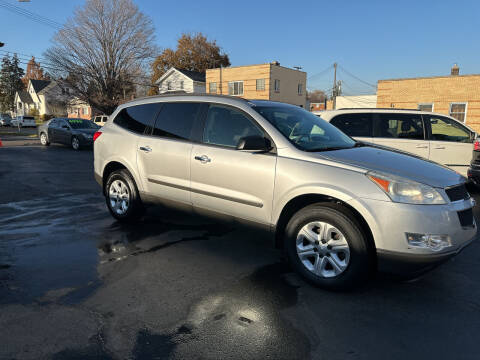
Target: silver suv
column 339, row 208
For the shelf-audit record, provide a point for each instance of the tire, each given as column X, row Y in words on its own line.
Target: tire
column 44, row 140
column 129, row 208
column 75, row 143
column 344, row 262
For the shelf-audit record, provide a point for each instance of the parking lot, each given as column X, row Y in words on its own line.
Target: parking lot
column 74, row 283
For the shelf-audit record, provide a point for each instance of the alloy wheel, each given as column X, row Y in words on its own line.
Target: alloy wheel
column 323, row 249
column 119, row 197
column 43, row 139
column 75, row 143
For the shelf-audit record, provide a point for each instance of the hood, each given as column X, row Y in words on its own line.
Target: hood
column 397, row 163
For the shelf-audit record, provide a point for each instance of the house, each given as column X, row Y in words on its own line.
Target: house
column 265, row 81
column 181, row 80
column 353, row 102
column 455, row 95
column 42, row 97
column 317, row 106
column 77, row 108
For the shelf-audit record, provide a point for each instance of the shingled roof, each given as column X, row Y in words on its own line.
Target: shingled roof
column 25, row 97
column 39, row 85
column 194, row 75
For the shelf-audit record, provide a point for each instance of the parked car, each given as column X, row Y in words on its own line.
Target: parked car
column 100, row 120
column 339, row 208
column 77, row 133
column 24, row 121
column 5, row 120
column 436, row 137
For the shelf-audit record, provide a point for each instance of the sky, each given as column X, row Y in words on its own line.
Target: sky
column 369, row 39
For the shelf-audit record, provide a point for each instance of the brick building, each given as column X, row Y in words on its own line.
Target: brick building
column 265, row 82
column 455, row 95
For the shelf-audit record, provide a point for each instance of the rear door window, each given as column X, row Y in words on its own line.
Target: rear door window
column 176, row 120
column 445, row 129
column 137, row 118
column 399, row 126
column 225, row 126
column 355, row 125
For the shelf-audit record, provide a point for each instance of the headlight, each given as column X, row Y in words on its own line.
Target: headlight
column 87, row 136
column 406, row 191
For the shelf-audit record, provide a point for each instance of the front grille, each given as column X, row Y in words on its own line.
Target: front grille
column 456, row 193
column 465, row 217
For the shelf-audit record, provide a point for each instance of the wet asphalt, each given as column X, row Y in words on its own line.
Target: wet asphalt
column 76, row 284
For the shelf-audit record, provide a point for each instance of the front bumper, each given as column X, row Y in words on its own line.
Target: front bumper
column 398, row 263
column 390, row 221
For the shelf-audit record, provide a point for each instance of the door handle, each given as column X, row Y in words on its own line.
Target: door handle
column 440, row 148
column 203, row 159
column 422, row 146
column 146, row 148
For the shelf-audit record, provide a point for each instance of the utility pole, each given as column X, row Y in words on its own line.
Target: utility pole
column 335, row 86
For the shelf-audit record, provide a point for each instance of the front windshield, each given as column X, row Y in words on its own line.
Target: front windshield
column 81, row 124
column 303, row 129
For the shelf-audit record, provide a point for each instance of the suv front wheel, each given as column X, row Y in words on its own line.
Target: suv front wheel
column 122, row 196
column 327, row 246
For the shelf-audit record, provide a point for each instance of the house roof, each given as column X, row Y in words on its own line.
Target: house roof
column 39, row 85
column 194, row 75
column 25, row 97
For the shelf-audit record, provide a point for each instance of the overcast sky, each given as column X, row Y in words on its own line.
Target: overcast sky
column 369, row 39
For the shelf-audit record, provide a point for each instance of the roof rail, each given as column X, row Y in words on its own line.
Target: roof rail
column 161, row 96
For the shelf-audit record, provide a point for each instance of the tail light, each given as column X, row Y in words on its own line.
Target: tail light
column 476, row 145
column 96, row 135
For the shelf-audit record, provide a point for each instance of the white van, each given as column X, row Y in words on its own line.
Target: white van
column 24, row 121
column 436, row 137
column 100, row 120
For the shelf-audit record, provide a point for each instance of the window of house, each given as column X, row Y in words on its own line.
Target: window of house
column 300, row 89
column 426, row 107
column 458, row 111
column 212, row 88
column 137, row 118
column 235, row 88
column 354, row 124
column 277, row 85
column 401, row 126
column 181, row 85
column 260, row 84
column 445, row 129
column 226, row 126
column 169, row 85
column 176, row 120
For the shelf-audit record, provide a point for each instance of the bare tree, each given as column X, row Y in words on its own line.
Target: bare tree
column 316, row 96
column 101, row 51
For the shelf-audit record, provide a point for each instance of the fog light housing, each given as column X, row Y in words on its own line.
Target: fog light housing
column 428, row 241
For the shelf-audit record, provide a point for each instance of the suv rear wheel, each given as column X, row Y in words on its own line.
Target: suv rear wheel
column 122, row 197
column 326, row 245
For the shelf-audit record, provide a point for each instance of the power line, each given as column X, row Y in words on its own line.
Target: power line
column 31, row 15
column 330, row 67
column 356, row 77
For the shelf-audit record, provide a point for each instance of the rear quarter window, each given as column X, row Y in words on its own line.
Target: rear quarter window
column 355, row 125
column 137, row 118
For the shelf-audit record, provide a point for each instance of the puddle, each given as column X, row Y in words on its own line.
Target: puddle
column 242, row 322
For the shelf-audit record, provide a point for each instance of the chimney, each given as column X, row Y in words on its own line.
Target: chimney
column 455, row 70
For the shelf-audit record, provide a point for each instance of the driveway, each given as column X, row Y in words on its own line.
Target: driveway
column 74, row 283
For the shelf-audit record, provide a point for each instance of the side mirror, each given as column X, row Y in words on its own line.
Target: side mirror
column 65, row 127
column 254, row 143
